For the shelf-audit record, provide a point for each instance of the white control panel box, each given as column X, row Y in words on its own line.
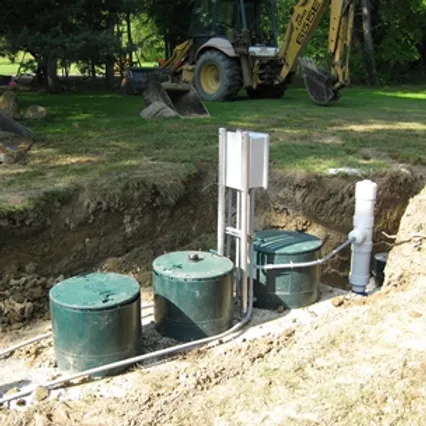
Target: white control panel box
column 259, row 160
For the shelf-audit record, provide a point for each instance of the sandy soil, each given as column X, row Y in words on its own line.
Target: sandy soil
column 331, row 363
column 342, row 361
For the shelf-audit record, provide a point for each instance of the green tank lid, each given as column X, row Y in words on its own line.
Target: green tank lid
column 95, row 291
column 285, row 242
column 192, row 265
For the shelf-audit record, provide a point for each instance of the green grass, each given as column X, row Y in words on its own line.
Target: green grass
column 11, row 68
column 8, row 68
column 100, row 137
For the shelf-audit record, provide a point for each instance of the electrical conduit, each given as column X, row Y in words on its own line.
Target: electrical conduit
column 139, row 358
column 293, row 265
column 36, row 339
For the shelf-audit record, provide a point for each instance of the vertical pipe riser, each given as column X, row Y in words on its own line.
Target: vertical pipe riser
column 221, row 210
column 365, row 199
column 244, row 221
column 228, row 240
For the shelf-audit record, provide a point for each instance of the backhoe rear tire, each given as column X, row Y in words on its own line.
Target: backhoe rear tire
column 217, row 77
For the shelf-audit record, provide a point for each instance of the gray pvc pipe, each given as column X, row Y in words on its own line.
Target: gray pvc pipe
column 38, row 339
column 25, row 343
column 244, row 221
column 140, row 358
column 221, row 194
column 363, row 220
column 228, row 222
column 292, row 265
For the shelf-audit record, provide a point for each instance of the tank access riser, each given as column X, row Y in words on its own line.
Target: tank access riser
column 243, row 167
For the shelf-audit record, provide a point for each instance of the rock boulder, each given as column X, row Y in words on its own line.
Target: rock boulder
column 158, row 110
column 35, row 112
column 9, row 104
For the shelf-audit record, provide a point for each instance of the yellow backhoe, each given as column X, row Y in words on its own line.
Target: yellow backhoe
column 233, row 44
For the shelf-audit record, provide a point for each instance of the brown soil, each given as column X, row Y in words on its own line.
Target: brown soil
column 123, row 230
column 324, row 206
column 356, row 364
column 408, row 255
column 359, row 365
column 76, row 234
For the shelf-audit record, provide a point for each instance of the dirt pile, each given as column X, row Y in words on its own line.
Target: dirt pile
column 360, row 365
column 407, row 259
column 24, row 299
column 124, row 230
column 324, row 206
column 77, row 232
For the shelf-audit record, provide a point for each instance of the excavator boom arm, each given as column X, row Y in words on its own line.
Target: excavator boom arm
column 305, row 17
column 340, row 38
column 304, row 20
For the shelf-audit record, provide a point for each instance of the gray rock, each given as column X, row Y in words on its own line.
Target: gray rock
column 9, row 104
column 35, row 112
column 18, row 297
column 36, row 293
column 158, row 110
column 30, row 267
column 41, row 393
column 16, row 326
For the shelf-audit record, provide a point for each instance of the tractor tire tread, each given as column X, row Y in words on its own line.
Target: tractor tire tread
column 231, row 72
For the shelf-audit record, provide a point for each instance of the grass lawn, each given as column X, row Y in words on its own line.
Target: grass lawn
column 101, row 138
column 11, row 68
column 7, row 67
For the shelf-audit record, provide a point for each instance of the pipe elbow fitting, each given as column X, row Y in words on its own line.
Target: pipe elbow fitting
column 357, row 236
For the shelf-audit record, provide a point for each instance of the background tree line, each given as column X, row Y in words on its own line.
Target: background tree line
column 96, row 34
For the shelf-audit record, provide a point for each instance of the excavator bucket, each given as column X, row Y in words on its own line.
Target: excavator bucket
column 181, row 98
column 15, row 140
column 319, row 82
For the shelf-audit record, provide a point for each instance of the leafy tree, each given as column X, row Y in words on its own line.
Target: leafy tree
column 399, row 35
column 172, row 18
column 94, row 33
column 147, row 39
column 83, row 31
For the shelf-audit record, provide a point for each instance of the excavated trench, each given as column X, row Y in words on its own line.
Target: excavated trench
column 124, row 230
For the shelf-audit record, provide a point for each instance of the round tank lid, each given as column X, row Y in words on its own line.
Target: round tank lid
column 95, row 291
column 285, row 242
column 192, row 265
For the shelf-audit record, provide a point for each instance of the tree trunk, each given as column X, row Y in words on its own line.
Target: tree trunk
column 109, row 72
column 51, row 75
column 129, row 37
column 93, row 69
column 67, row 70
column 368, row 40
column 109, row 62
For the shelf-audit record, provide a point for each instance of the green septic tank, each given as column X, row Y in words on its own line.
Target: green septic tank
column 291, row 288
column 193, row 294
column 96, row 320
